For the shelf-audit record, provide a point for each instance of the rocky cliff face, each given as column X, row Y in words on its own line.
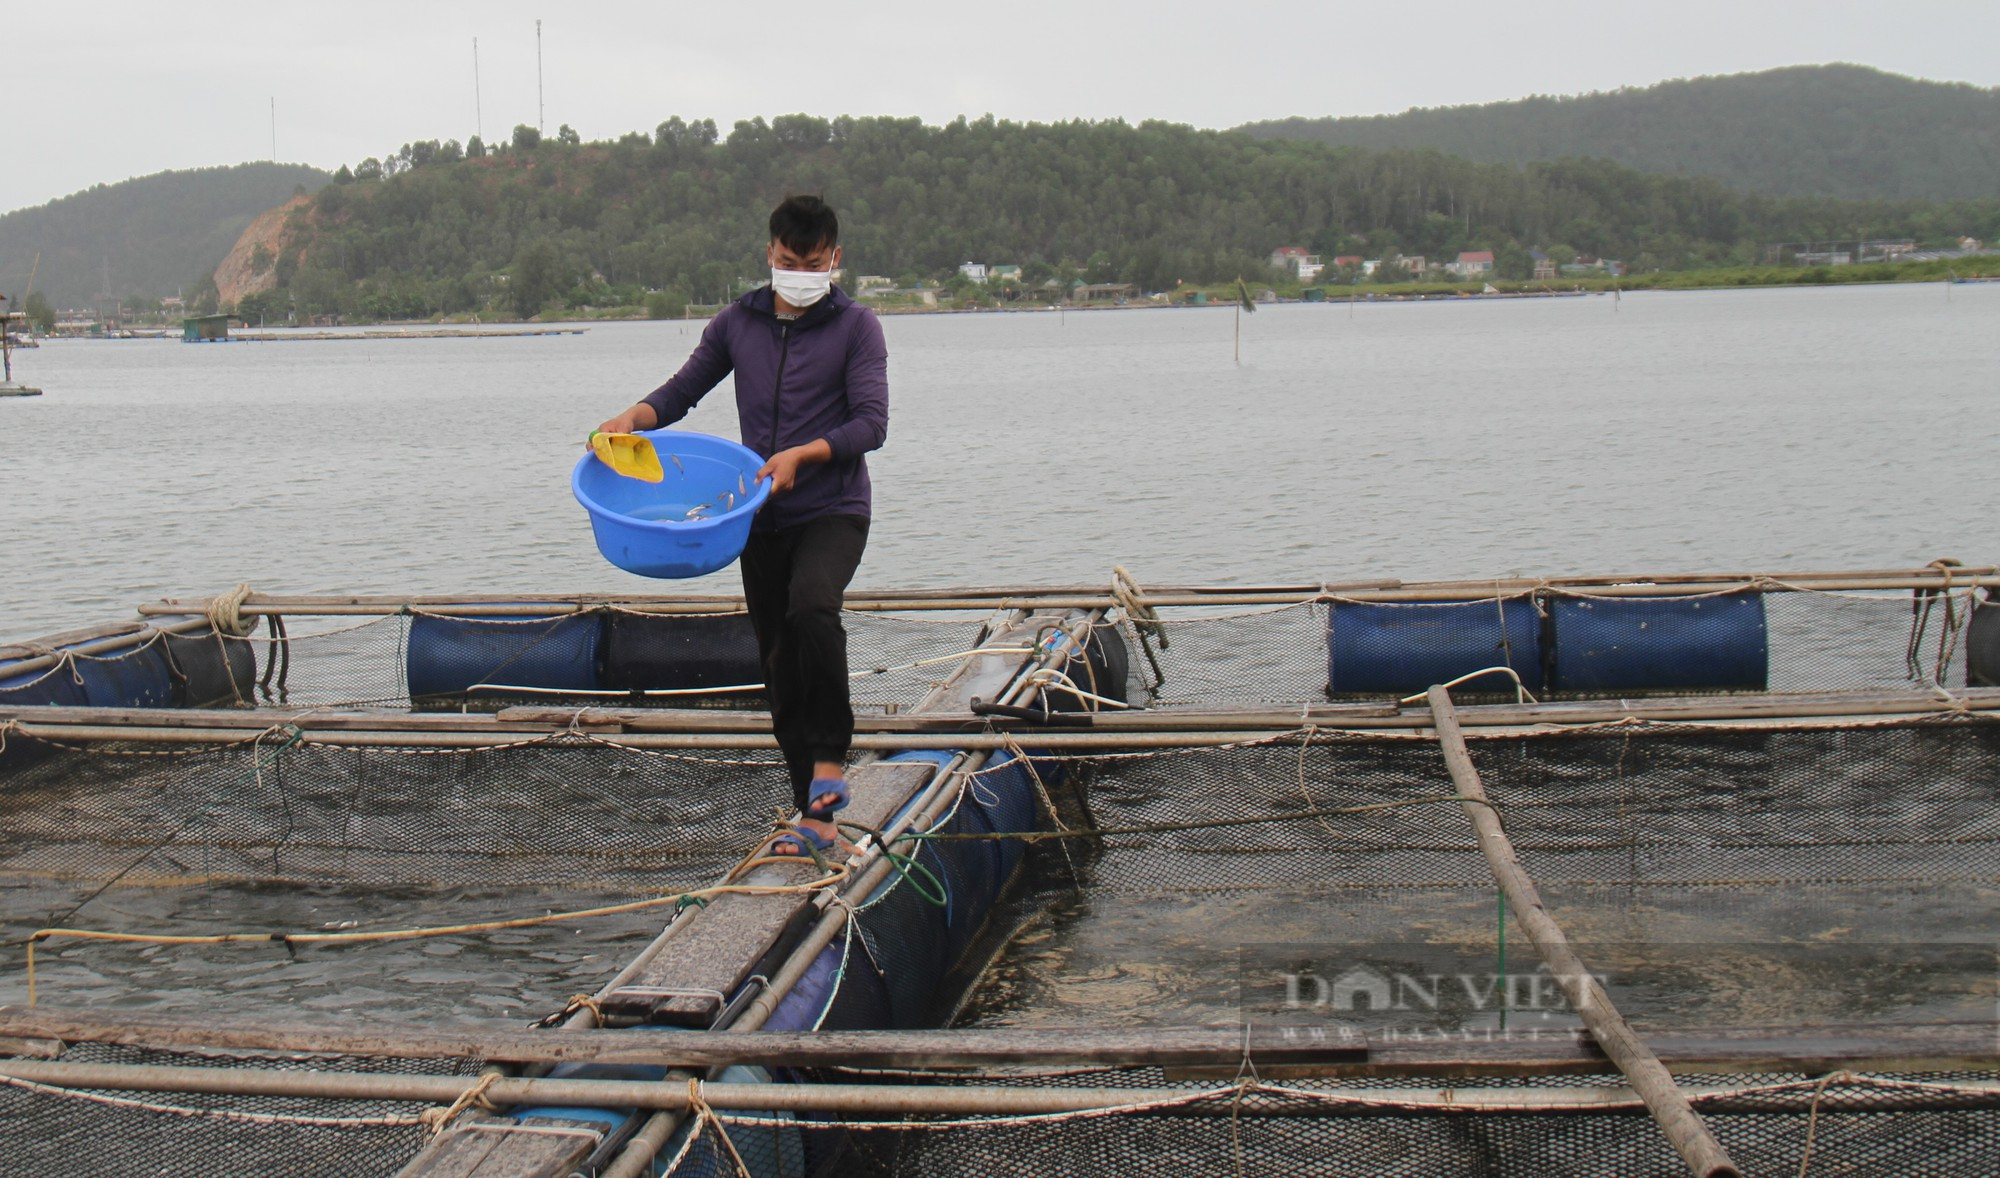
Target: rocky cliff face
column 250, row 269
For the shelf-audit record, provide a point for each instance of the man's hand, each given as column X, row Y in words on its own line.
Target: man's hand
column 636, row 418
column 783, row 468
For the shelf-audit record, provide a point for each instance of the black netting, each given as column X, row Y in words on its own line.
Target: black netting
column 199, row 1135
column 307, row 838
column 1855, row 1125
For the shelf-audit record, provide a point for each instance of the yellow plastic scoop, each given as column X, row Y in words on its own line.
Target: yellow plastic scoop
column 628, row 454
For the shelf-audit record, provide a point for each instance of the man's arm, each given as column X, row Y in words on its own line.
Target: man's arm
column 867, row 424
column 705, row 368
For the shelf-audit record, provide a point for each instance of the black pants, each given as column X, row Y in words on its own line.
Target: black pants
column 794, row 580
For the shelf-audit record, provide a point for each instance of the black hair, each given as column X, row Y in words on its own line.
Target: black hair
column 802, row 224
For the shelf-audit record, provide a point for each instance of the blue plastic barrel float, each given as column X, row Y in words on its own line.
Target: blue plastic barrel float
column 447, row 656
column 1379, row 648
column 694, row 521
column 1616, row 645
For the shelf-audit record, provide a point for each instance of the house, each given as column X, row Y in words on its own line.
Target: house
column 1415, row 267
column 868, row 282
column 1008, row 273
column 973, row 270
column 1286, row 257
column 1345, row 260
column 1472, row 264
column 1545, row 266
column 1293, row 259
column 1370, row 265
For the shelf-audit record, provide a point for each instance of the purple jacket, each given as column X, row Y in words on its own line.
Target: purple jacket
column 822, row 375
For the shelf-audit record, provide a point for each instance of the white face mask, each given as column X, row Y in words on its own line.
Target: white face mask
column 801, row 288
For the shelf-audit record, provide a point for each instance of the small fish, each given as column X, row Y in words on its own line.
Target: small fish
column 728, row 501
column 740, row 488
column 699, row 510
column 675, row 459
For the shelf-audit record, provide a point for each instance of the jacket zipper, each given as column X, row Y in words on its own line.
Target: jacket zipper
column 777, row 386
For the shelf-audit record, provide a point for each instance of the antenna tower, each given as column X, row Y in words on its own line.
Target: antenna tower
column 540, row 114
column 274, row 128
column 478, row 115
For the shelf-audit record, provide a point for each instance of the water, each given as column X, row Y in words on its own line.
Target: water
column 1772, row 428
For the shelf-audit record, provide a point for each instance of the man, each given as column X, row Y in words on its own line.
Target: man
column 812, row 397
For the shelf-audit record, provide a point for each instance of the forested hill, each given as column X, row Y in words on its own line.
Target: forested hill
column 148, row 236
column 1834, row 130
column 439, row 229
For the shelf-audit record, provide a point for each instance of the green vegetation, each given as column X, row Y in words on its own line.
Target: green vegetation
column 148, row 237
column 1720, row 278
column 554, row 227
column 1837, row 130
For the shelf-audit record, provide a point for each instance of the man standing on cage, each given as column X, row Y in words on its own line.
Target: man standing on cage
column 812, row 398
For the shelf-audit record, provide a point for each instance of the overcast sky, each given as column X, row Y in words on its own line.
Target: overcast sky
column 115, row 89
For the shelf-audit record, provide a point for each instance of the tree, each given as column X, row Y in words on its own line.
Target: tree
column 565, row 135
column 525, row 137
column 537, row 278
column 40, row 314
column 475, row 148
column 368, row 169
column 343, row 176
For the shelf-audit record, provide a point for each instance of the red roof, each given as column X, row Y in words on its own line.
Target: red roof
column 1292, row 251
column 1348, row 260
column 1476, row 256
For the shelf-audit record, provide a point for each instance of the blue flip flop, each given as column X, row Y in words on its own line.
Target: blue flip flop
column 810, row 846
column 822, row 786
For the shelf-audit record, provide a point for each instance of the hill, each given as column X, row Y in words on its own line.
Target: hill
column 148, row 236
column 438, row 229
column 1835, row 130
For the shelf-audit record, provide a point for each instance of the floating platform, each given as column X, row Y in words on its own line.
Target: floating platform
column 19, row 390
column 1637, row 874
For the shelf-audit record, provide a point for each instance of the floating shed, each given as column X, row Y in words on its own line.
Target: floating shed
column 201, row 329
column 1222, row 880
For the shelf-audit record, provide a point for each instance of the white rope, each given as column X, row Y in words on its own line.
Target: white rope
column 225, row 612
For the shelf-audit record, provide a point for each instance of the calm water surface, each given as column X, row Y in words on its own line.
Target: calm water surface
column 1770, row 428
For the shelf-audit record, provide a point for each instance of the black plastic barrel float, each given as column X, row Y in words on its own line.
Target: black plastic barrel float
column 1100, row 669
column 680, row 652
column 211, row 671
column 447, row 657
column 1394, row 649
column 1618, row 645
column 1982, row 644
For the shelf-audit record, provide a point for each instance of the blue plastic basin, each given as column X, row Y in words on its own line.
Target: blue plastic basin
column 644, row 527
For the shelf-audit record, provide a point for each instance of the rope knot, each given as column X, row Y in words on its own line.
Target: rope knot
column 225, row 612
column 437, row 1118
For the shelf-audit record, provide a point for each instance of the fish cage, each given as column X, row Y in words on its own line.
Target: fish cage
column 1633, row 874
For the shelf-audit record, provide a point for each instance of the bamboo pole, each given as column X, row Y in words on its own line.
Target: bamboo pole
column 1201, row 729
column 98, row 648
column 1216, row 1051
column 1636, row 585
column 1669, row 1106
column 892, row 1100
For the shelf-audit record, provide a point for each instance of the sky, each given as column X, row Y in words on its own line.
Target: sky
column 125, row 89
